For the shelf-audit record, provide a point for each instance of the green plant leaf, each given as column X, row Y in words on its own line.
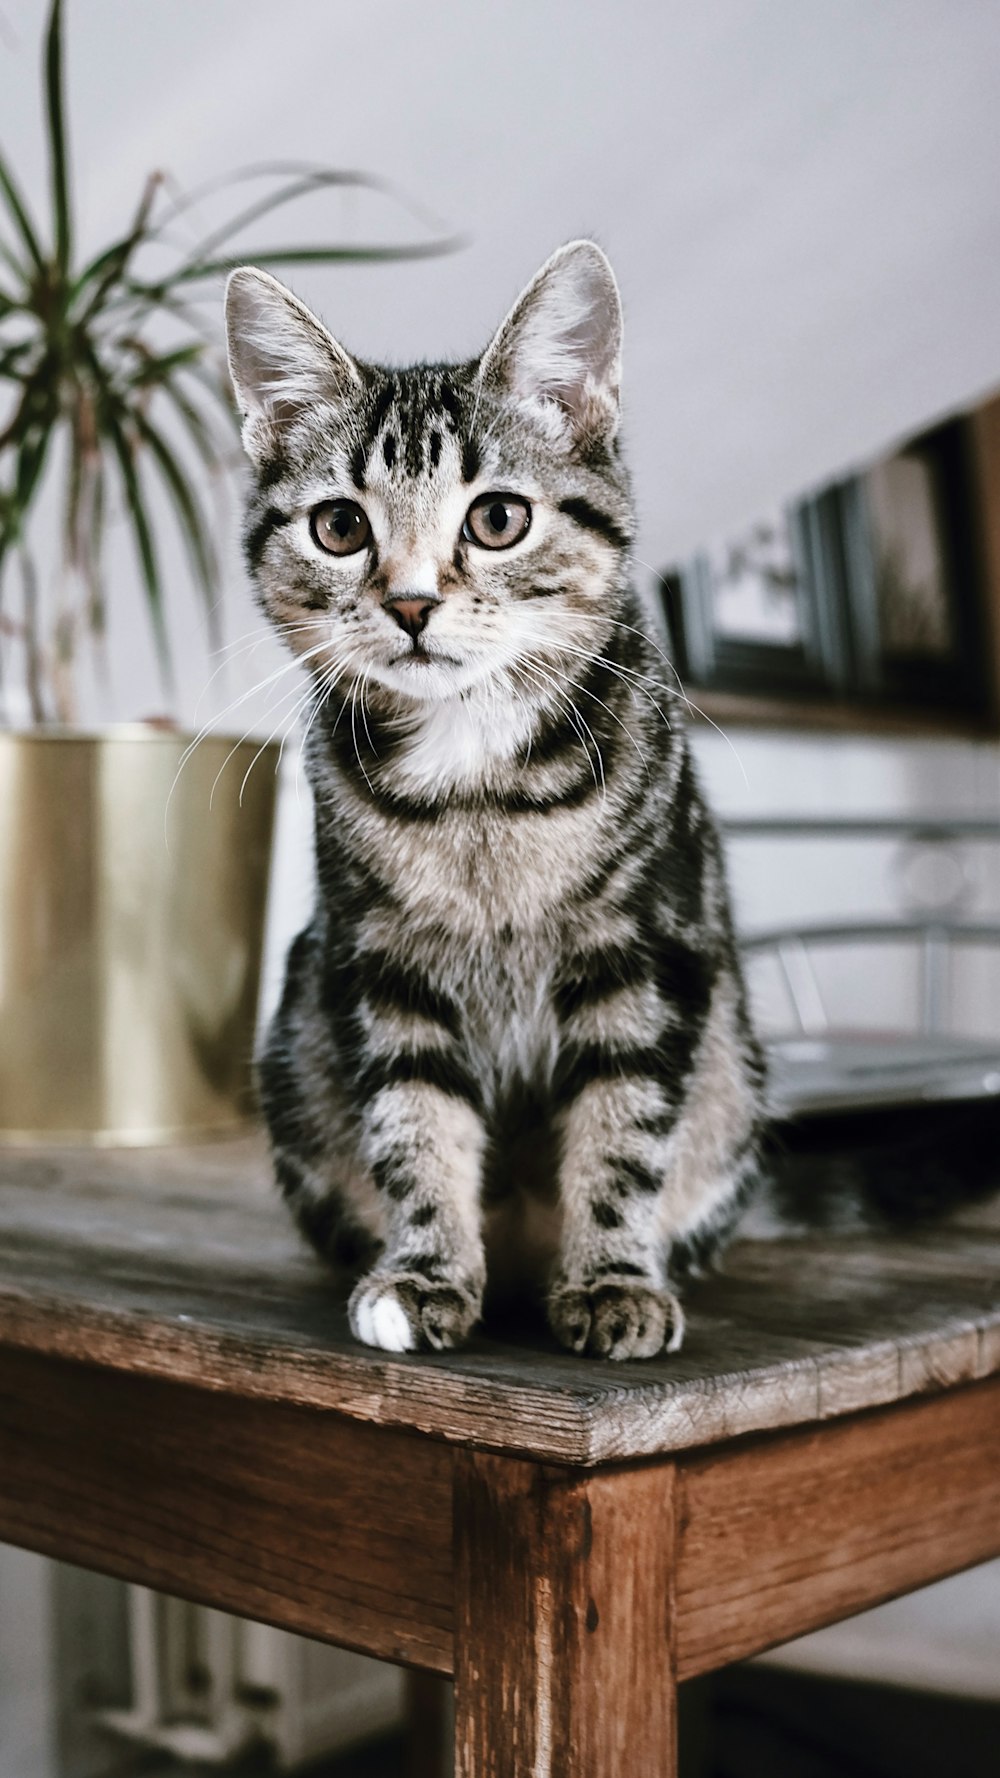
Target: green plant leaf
column 373, row 254
column 302, row 176
column 158, row 366
column 181, row 201
column 108, row 267
column 29, row 461
column 143, row 299
column 206, row 443
column 111, row 423
column 14, row 264
column 22, row 220
column 55, row 120
column 191, row 520
column 11, row 356
column 309, row 180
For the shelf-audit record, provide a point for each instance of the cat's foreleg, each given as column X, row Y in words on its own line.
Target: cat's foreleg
column 610, row 1296
column 423, row 1140
column 626, row 1047
column 661, row 1108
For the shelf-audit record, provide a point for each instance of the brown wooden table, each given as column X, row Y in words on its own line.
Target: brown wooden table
column 181, row 1404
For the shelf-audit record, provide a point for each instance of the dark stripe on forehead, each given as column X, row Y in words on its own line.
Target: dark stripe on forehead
column 366, row 443
column 592, row 519
column 412, row 419
column 270, row 472
column 389, row 449
column 470, row 460
column 255, row 539
column 435, row 449
column 359, row 458
column 382, row 405
column 450, row 403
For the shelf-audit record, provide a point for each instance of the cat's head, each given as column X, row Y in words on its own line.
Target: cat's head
column 440, row 527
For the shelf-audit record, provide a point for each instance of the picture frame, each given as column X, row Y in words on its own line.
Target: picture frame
column 869, row 594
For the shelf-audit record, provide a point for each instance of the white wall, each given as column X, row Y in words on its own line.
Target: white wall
column 801, row 200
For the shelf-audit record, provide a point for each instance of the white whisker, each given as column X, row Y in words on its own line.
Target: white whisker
column 354, row 733
column 297, row 695
column 284, row 726
column 633, row 680
column 234, row 704
column 531, row 665
column 366, row 675
column 327, row 684
column 591, row 694
column 694, row 708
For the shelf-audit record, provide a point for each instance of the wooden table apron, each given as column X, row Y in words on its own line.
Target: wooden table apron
column 383, row 1540
column 181, row 1405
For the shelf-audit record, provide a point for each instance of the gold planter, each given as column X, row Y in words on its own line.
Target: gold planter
column 132, row 903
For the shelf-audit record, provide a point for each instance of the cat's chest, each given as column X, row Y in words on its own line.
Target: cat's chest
column 455, row 747
column 452, row 824
column 509, row 1026
column 479, row 870
column 484, row 872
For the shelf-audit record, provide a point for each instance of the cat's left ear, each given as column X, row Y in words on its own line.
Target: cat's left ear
column 559, row 350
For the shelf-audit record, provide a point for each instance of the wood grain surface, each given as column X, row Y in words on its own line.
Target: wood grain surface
column 316, row 1523
column 181, row 1265
column 564, row 1661
column 345, row 1531
column 781, row 1535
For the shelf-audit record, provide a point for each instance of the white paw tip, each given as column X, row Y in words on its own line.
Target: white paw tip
column 385, row 1323
column 677, row 1327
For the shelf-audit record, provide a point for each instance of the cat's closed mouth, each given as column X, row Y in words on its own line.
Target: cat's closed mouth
column 422, row 658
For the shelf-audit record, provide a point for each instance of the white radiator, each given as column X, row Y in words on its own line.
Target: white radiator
column 206, row 1687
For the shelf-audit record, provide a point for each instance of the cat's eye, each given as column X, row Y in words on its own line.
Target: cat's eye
column 340, row 527
column 495, row 521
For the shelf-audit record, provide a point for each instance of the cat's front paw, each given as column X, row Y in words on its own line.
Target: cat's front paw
column 617, row 1318
column 405, row 1312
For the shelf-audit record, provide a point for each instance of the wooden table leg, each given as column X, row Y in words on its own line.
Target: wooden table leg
column 428, row 1726
column 564, row 1656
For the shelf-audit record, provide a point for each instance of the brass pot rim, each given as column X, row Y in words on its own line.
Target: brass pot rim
column 130, row 732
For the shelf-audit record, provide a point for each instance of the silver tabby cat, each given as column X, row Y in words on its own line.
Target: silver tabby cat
column 513, row 1040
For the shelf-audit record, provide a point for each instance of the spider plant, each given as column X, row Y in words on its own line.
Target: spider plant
column 115, row 384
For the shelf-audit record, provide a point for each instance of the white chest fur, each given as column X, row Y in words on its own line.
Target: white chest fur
column 474, row 871
column 460, row 742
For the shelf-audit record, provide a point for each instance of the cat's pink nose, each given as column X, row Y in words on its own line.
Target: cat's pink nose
column 411, row 614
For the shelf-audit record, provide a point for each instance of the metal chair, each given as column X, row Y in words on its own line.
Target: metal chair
column 818, row 1067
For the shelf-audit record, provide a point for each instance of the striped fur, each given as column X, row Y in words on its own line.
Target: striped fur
column 514, row 1036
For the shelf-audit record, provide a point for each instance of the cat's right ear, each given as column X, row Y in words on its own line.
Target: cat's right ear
column 282, row 361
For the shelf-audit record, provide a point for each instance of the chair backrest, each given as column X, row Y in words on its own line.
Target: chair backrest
column 934, row 934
